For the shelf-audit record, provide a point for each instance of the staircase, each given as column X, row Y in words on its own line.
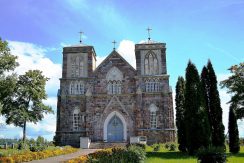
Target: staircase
column 102, row 145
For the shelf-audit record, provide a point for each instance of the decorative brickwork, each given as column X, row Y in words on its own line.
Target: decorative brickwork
column 131, row 103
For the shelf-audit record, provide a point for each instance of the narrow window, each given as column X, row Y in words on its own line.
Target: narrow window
column 76, row 120
column 153, row 119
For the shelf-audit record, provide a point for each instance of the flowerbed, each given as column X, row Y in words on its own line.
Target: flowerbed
column 132, row 154
column 29, row 156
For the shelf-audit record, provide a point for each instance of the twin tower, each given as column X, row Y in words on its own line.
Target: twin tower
column 113, row 101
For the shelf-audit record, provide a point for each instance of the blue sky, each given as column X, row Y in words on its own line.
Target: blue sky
column 192, row 29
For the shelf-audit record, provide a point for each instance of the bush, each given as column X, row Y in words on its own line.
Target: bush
column 156, row 147
column 143, row 146
column 23, row 145
column 172, row 147
column 132, row 154
column 166, row 146
column 212, row 155
column 37, row 148
column 29, row 156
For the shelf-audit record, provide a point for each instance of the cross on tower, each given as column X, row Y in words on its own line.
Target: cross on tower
column 114, row 42
column 81, row 36
column 148, row 30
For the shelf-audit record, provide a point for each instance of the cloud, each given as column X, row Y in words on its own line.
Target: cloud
column 127, row 50
column 31, row 56
column 99, row 60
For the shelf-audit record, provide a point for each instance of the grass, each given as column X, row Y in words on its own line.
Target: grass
column 166, row 156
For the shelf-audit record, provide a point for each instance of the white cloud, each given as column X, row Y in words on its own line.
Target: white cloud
column 31, row 56
column 127, row 50
column 99, row 60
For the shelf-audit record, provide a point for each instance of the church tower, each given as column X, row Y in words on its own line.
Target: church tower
column 154, row 95
column 79, row 62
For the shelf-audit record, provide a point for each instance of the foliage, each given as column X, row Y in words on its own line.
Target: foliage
column 196, row 120
column 172, row 147
column 29, row 156
column 156, row 147
column 143, row 146
column 234, row 143
column 212, row 155
column 22, row 145
column 132, row 154
column 26, row 105
column 8, row 141
column 235, row 86
column 213, row 106
column 179, row 102
column 7, row 82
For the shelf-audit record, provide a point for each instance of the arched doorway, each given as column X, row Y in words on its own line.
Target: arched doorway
column 115, row 129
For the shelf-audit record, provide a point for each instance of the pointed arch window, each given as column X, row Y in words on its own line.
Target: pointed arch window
column 151, row 64
column 114, row 81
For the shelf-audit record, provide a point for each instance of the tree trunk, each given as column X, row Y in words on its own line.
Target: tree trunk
column 24, row 131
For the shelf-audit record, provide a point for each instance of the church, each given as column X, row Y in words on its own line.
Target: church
column 113, row 101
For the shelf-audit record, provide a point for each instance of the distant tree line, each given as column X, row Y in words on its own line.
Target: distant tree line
column 199, row 112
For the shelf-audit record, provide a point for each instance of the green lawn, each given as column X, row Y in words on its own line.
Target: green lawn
column 165, row 156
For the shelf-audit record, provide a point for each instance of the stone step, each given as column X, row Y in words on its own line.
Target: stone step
column 102, row 145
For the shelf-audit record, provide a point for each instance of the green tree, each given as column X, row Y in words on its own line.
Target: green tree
column 234, row 143
column 7, row 82
column 196, row 120
column 26, row 104
column 179, row 102
column 235, row 86
column 213, row 106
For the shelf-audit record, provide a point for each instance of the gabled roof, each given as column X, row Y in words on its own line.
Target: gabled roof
column 109, row 56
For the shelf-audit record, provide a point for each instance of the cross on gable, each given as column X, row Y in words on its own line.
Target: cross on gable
column 114, row 42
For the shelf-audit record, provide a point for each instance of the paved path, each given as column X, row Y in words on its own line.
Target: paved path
column 65, row 157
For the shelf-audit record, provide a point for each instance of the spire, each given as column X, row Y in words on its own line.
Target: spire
column 114, row 42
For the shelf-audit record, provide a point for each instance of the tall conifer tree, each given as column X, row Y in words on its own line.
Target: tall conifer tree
column 214, row 110
column 196, row 120
column 234, row 144
column 179, row 102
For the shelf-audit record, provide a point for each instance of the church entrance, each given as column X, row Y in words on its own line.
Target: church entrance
column 115, row 129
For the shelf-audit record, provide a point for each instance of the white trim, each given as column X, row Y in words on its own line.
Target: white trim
column 105, row 125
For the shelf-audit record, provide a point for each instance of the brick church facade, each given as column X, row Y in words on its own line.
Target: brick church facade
column 114, row 101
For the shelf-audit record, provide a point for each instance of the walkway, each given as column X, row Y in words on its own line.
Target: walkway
column 65, row 157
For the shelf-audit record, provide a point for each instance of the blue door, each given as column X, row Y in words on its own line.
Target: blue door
column 115, row 130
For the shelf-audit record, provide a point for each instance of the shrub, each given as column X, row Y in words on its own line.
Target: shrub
column 37, row 148
column 156, row 147
column 132, row 154
column 166, row 146
column 29, row 156
column 172, row 147
column 23, row 145
column 143, row 146
column 212, row 155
